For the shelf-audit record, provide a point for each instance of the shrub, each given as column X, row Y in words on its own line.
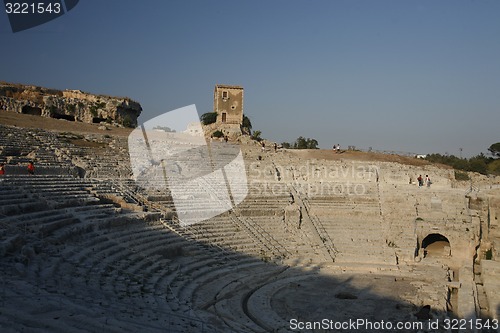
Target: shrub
column 217, row 134
column 301, row 143
column 208, row 118
column 127, row 122
column 478, row 165
column 246, row 123
column 256, row 136
column 461, row 175
column 494, row 167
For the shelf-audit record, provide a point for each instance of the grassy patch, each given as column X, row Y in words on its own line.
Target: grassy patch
column 459, row 175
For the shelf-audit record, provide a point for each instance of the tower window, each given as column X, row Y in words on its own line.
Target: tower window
column 225, row 95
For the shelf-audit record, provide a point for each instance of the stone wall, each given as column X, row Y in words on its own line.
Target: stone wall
column 72, row 105
column 228, row 103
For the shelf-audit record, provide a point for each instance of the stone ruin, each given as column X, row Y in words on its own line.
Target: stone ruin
column 85, row 247
column 72, row 105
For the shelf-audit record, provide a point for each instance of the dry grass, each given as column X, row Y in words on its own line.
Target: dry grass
column 57, row 125
column 327, row 154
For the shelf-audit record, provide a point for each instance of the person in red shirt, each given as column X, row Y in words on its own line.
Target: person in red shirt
column 31, row 168
column 2, row 169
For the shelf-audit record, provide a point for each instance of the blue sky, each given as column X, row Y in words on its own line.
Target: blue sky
column 417, row 76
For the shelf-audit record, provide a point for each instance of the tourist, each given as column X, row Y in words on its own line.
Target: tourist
column 263, row 145
column 275, row 147
column 226, row 138
column 420, row 181
column 31, row 168
column 338, row 149
column 428, row 181
column 2, row 169
column 334, row 147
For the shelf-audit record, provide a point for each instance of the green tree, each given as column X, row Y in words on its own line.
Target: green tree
column 208, row 118
column 495, row 149
column 305, row 143
column 256, row 135
column 494, row 167
column 286, row 145
column 300, row 143
column 478, row 164
column 246, row 123
column 312, row 143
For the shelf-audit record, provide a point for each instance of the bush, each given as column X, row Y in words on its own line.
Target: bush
column 305, row 143
column 461, row 175
column 494, row 167
column 478, row 165
column 301, row 143
column 217, row 134
column 256, row 135
column 208, row 118
column 246, row 123
column 127, row 122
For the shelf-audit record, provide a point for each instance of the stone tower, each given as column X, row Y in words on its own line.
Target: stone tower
column 228, row 103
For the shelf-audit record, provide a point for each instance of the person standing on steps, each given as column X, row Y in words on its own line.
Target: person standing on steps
column 2, row 169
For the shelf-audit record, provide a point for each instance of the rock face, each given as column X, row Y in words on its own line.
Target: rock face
column 73, row 105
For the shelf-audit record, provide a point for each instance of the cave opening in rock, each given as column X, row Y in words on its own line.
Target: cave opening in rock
column 97, row 120
column 436, row 245
column 63, row 116
column 31, row 110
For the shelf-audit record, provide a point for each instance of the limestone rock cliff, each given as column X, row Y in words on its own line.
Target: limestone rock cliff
column 73, row 105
